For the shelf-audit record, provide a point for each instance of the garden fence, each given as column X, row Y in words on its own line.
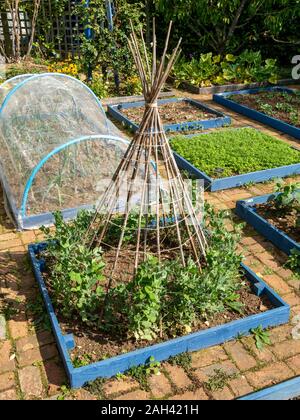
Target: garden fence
column 60, row 32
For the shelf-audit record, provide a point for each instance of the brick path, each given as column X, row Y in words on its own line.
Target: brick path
column 30, row 367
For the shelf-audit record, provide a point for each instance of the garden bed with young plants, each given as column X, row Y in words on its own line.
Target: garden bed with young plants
column 282, row 105
column 177, row 115
column 277, row 217
column 232, row 157
column 172, row 308
column 277, row 107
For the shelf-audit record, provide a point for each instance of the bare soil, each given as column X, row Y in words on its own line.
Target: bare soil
column 171, row 113
column 285, row 107
column 285, row 221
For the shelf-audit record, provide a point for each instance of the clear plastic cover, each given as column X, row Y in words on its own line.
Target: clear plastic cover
column 56, row 143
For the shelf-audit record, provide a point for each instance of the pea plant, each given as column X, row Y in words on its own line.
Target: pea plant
column 163, row 299
column 75, row 272
column 168, row 299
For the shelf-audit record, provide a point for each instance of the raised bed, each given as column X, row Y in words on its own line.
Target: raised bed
column 246, row 209
column 167, row 93
column 218, row 119
column 192, row 342
column 224, row 99
column 284, row 391
column 228, row 88
column 216, row 184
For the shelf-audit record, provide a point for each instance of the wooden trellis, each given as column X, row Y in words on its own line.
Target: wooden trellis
column 148, row 184
column 64, row 31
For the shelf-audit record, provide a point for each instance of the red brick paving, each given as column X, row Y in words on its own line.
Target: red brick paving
column 30, row 366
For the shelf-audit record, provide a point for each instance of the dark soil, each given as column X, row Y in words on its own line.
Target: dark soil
column 280, row 105
column 96, row 345
column 285, row 221
column 171, row 113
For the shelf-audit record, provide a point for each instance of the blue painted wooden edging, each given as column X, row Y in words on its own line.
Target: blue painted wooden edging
column 192, row 342
column 217, row 184
column 283, row 391
column 223, row 99
column 220, row 119
column 246, row 209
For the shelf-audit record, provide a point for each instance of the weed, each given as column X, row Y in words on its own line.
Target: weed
column 82, row 360
column 141, row 373
column 268, row 271
column 261, row 337
column 37, row 310
column 64, row 392
column 96, row 387
column 183, row 360
column 218, row 380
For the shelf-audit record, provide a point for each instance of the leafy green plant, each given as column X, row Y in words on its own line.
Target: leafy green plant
column 261, row 337
column 99, row 86
column 36, row 309
column 234, row 151
column 282, row 105
column 211, row 69
column 228, row 25
column 146, row 290
column 96, row 387
column 183, row 360
column 287, row 196
column 286, row 200
column 141, row 373
column 108, row 48
column 163, row 299
column 293, row 261
column 76, row 270
column 168, row 298
column 218, row 380
column 249, row 67
column 64, row 392
column 267, row 109
column 82, row 360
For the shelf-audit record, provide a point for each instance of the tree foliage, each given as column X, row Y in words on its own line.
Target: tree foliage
column 106, row 47
column 225, row 26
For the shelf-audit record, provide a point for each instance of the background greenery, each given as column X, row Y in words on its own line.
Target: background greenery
column 252, row 31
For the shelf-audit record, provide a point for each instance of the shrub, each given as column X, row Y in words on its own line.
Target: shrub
column 211, row 70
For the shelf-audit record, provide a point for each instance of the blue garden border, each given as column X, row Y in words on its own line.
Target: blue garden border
column 223, row 99
column 221, row 119
column 217, row 184
column 192, row 342
column 284, row 391
column 246, row 209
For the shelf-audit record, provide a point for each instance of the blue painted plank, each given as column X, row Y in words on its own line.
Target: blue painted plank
column 246, row 210
column 60, row 340
column 222, row 99
column 221, row 120
column 199, row 340
column 283, row 391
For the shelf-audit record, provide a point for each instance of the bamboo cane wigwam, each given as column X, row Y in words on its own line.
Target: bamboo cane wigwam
column 147, row 198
